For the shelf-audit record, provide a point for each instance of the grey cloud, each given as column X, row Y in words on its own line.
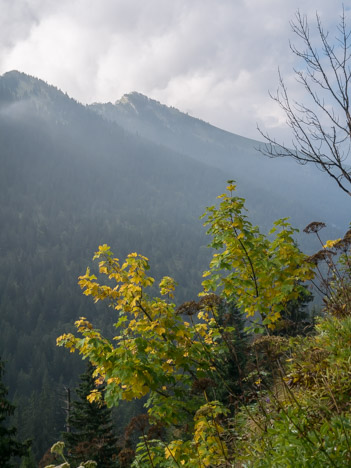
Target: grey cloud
column 19, row 16
column 215, row 59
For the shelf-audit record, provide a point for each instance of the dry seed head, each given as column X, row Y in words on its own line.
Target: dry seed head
column 210, row 301
column 188, row 308
column 200, row 385
column 314, row 227
column 321, row 255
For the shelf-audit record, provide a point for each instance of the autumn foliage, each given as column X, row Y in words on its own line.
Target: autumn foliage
column 290, row 401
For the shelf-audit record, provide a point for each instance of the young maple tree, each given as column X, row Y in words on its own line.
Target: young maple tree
column 174, row 361
column 260, row 275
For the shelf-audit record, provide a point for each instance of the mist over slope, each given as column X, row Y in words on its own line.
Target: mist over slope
column 289, row 189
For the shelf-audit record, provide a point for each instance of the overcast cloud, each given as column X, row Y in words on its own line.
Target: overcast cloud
column 215, row 59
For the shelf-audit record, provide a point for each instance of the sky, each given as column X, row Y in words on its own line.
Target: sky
column 214, row 59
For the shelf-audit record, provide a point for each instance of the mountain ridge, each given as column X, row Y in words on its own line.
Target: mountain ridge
column 168, row 127
column 238, row 156
column 134, row 98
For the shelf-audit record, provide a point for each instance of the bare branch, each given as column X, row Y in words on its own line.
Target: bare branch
column 321, row 126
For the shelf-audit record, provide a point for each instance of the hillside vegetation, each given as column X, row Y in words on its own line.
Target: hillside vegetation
column 220, row 393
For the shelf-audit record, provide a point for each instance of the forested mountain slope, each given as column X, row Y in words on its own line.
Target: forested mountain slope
column 286, row 188
column 69, row 181
column 72, row 179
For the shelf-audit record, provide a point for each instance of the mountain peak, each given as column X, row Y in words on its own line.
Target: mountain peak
column 21, row 86
column 136, row 102
column 13, row 73
column 17, row 79
column 18, row 86
column 135, row 96
column 22, row 95
column 17, row 75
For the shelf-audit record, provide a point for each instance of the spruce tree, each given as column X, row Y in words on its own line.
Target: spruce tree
column 296, row 319
column 233, row 364
column 90, row 435
column 9, row 446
